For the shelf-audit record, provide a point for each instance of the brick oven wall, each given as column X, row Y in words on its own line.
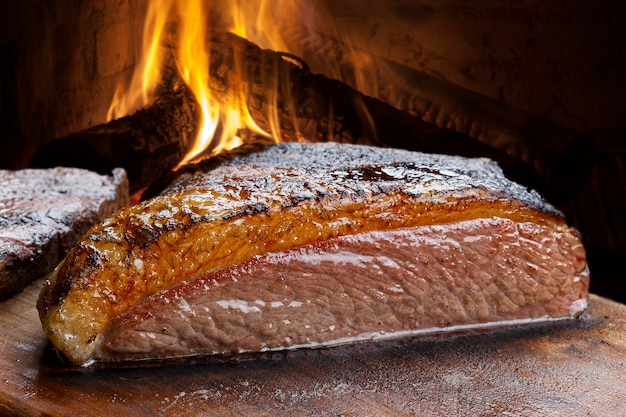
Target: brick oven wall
column 60, row 62
column 562, row 60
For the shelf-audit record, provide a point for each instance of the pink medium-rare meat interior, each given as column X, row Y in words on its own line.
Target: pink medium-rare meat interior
column 367, row 286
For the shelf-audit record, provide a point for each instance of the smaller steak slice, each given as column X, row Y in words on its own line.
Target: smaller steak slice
column 44, row 212
column 368, row 286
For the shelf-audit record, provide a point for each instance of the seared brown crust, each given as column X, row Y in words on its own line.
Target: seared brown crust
column 290, row 195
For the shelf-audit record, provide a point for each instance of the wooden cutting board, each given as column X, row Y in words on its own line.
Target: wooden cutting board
column 568, row 369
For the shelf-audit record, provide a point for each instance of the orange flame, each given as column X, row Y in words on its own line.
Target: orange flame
column 269, row 24
column 147, row 72
column 192, row 62
column 304, row 29
column 193, row 65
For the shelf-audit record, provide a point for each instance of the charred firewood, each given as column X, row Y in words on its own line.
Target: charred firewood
column 561, row 156
column 283, row 98
column 147, row 144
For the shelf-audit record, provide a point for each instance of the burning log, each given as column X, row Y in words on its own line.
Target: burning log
column 563, row 158
column 147, row 144
column 282, row 97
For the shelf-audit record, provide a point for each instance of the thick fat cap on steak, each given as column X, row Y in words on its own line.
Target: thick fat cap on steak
column 286, row 197
column 44, row 212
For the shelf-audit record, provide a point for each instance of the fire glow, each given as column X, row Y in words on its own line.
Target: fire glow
column 262, row 22
column 191, row 56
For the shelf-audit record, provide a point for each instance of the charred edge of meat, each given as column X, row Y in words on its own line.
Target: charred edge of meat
column 254, row 144
column 88, row 257
column 253, row 209
column 141, row 234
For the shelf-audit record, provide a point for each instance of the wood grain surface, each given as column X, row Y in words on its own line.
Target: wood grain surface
column 574, row 368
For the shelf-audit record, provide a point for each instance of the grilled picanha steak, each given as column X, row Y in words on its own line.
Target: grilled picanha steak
column 44, row 213
column 314, row 245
